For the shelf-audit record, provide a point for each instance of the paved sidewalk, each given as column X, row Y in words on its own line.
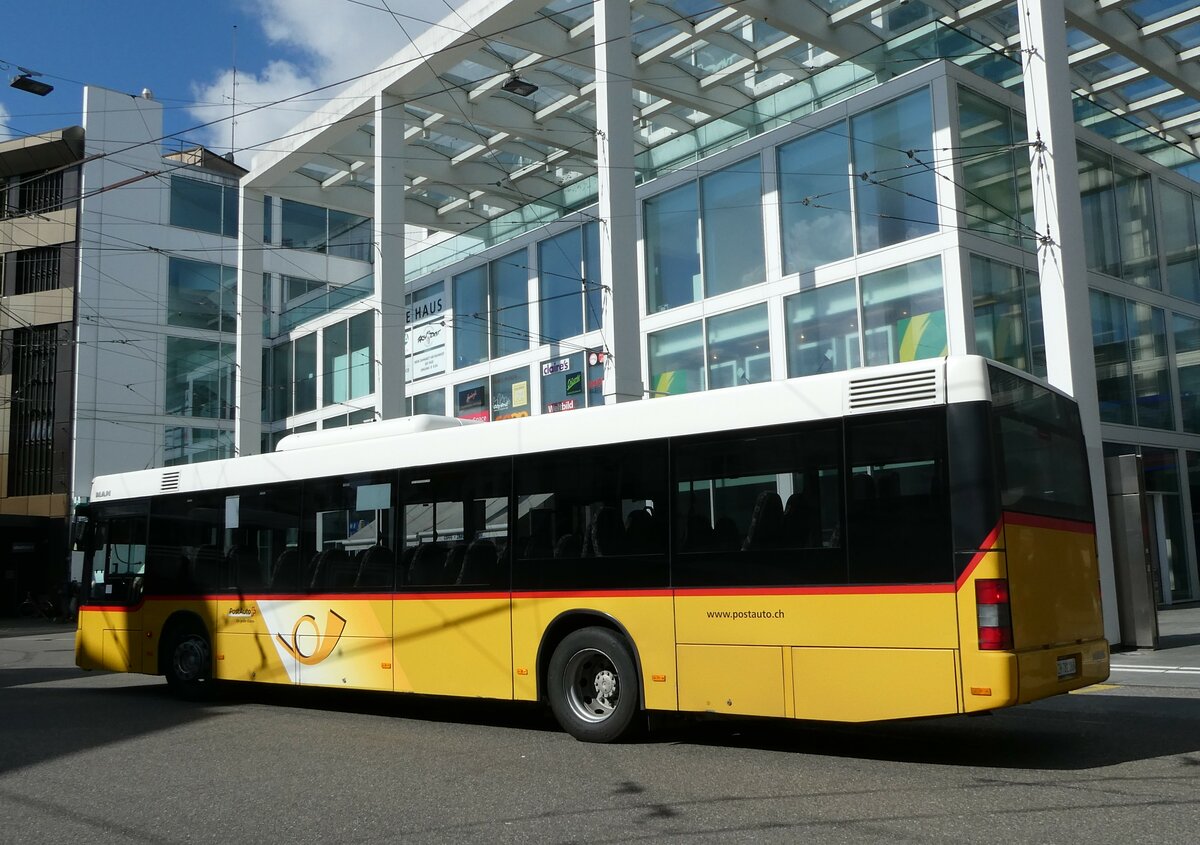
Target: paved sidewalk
column 20, row 627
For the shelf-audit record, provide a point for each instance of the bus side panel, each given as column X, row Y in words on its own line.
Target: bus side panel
column 453, row 644
column 647, row 619
column 836, row 617
column 319, row 641
column 743, row 680
column 867, row 684
column 109, row 638
column 244, row 647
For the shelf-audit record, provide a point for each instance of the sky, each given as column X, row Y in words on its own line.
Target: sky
column 185, row 55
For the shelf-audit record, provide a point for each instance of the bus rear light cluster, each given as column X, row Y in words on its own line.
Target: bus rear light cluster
column 995, row 620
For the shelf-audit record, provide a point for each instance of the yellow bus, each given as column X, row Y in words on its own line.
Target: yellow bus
column 895, row 542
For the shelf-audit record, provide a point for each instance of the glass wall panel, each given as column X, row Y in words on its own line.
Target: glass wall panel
column 199, row 378
column 1000, row 325
column 677, row 360
column 280, row 383
column 305, row 373
column 989, row 168
column 672, row 221
column 510, row 394
column 822, row 329
column 1099, row 211
column 1187, row 366
column 304, row 225
column 197, row 205
column 362, row 415
column 1037, row 335
column 433, row 402
column 1135, row 219
column 229, row 215
column 470, row 317
column 335, row 365
column 814, row 198
column 898, row 199
column 739, row 348
column 1160, row 470
column 471, row 400
column 731, row 203
column 362, row 354
column 201, row 295
column 1151, row 380
column 563, row 387
column 194, row 445
column 560, row 262
column 510, row 304
column 904, row 316
column 350, row 236
column 594, row 278
column 1181, row 243
column 1110, row 340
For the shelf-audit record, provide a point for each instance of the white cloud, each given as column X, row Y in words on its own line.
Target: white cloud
column 336, row 42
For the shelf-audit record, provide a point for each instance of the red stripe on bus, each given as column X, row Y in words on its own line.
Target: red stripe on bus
column 986, row 547
column 1053, row 523
column 845, row 589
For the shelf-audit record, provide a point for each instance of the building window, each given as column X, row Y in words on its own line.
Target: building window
column 1187, row 365
column 194, row 445
column 37, row 269
column 199, row 378
column 201, row 295
column 569, row 283
column 327, row 231
column 206, row 206
column 822, row 325
column 348, row 358
column 1132, row 375
column 510, row 394
column 895, row 194
column 723, row 207
column 1182, row 242
column 491, row 310
column 433, row 402
column 572, row 382
column 814, row 200
column 32, row 411
column 425, row 333
column 904, row 316
column 279, row 382
column 304, row 371
column 677, row 360
column 1007, row 315
column 739, row 348
column 471, row 400
column 998, row 199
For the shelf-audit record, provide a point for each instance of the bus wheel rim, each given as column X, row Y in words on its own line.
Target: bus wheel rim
column 189, row 659
column 592, row 685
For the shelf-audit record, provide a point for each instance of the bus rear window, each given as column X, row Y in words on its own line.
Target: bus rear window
column 1041, row 459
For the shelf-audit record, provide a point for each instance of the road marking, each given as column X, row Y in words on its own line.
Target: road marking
column 1095, row 688
column 1156, row 670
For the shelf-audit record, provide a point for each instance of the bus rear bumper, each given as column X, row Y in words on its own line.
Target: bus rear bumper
column 1049, row 671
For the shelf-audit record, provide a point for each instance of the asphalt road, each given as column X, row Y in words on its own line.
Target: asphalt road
column 88, row 757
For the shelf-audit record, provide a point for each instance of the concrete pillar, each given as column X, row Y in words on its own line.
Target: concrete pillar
column 617, row 207
column 249, row 386
column 389, row 255
column 1062, row 265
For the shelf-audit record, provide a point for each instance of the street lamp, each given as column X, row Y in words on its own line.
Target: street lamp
column 24, row 81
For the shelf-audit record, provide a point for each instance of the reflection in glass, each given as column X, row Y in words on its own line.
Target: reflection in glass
column 201, row 295
column 734, row 255
column 199, row 378
column 677, row 360
column 822, row 327
column 814, row 196
column 739, row 348
column 1110, row 341
column 1000, row 326
column 1151, row 379
column 1187, row 366
column 898, row 198
column 989, row 172
column 510, row 394
column 672, row 248
column 1135, row 218
column 305, row 373
column 509, row 304
column 1181, row 243
column 904, row 317
column 1099, row 211
column 470, row 317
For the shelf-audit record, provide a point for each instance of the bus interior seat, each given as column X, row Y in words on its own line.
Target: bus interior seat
column 766, row 522
column 283, row 572
column 479, row 563
column 333, row 568
column 375, row 568
column 243, row 564
column 568, row 547
column 802, row 521
column 428, row 565
column 607, row 535
column 404, row 575
column 454, row 563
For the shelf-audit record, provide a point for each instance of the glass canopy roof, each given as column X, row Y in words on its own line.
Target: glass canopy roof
column 705, row 72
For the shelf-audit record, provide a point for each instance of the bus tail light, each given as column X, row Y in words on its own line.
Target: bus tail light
column 995, row 620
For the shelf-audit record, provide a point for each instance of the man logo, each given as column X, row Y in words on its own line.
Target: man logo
column 334, row 625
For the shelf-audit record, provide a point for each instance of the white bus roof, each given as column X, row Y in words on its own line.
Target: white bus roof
column 424, row 440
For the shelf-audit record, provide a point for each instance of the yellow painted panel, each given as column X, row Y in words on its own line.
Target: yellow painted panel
column 746, row 680
column 362, row 662
column 252, row 657
column 119, row 651
column 648, row 620
column 1054, row 586
column 880, row 620
column 1039, row 669
column 989, row 678
column 865, row 684
column 453, row 646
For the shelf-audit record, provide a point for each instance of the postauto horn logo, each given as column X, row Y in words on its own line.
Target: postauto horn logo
column 334, row 625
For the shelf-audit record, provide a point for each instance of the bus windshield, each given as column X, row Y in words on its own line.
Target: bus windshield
column 1040, row 453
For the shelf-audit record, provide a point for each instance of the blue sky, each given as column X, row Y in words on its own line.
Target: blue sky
column 183, row 52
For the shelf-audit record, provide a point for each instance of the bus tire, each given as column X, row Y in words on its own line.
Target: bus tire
column 189, row 663
column 592, row 685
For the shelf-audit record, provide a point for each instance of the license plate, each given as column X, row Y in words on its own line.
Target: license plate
column 1068, row 667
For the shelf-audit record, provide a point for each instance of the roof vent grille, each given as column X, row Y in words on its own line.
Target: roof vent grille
column 894, row 389
column 170, row 482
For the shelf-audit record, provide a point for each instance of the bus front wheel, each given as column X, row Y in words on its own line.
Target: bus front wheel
column 189, row 663
column 592, row 685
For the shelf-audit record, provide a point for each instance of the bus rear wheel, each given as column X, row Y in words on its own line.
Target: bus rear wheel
column 592, row 685
column 189, row 663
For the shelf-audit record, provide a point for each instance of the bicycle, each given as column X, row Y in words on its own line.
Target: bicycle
column 41, row 606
